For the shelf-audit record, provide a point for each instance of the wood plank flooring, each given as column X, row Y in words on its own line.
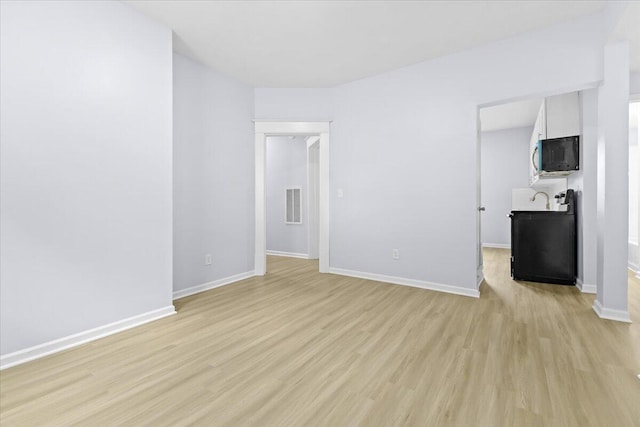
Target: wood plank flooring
column 296, row 348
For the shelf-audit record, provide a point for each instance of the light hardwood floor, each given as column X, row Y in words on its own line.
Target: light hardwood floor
column 300, row 348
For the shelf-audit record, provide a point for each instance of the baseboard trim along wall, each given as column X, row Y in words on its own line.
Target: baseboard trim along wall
column 64, row 343
column 634, row 268
column 610, row 314
column 289, row 254
column 497, row 245
column 585, row 288
column 456, row 290
column 212, row 285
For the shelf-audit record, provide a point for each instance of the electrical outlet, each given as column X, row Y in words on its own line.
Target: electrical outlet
column 207, row 259
column 395, row 253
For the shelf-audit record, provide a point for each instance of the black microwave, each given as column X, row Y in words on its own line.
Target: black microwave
column 560, row 156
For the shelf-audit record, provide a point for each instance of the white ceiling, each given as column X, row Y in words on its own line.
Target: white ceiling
column 326, row 43
column 511, row 115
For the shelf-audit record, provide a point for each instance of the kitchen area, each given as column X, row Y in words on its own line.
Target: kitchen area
column 544, row 240
column 539, row 224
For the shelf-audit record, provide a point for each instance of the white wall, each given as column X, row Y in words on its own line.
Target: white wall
column 294, row 104
column 505, row 166
column 85, row 94
column 286, row 168
column 634, row 249
column 634, row 83
column 213, row 175
column 404, row 147
column 634, row 188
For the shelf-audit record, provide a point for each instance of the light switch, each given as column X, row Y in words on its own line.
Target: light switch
column 340, row 193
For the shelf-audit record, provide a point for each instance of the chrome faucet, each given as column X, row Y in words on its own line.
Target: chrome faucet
column 533, row 199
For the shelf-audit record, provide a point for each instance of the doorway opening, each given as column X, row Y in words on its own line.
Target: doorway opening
column 504, row 135
column 292, row 197
column 512, row 187
column 310, row 207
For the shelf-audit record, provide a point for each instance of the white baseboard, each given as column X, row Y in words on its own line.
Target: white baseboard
column 289, row 254
column 64, row 343
column 480, row 280
column 611, row 314
column 211, row 285
column 456, row 290
column 634, row 268
column 497, row 245
column 585, row 288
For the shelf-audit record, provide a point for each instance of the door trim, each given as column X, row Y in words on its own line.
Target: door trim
column 263, row 129
column 313, row 154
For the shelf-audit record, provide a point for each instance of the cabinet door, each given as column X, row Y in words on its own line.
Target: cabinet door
column 541, row 122
column 563, row 115
column 543, row 247
column 538, row 133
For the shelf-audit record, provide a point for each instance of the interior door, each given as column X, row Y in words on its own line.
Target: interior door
column 480, row 209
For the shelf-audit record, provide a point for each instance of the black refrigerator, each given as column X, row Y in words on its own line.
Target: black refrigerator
column 543, row 244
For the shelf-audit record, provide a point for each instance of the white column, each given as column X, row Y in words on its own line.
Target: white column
column 589, row 206
column 613, row 185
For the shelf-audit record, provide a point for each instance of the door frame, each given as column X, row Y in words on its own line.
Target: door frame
column 313, row 184
column 479, row 256
column 263, row 129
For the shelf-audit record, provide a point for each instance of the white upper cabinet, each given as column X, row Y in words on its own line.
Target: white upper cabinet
column 562, row 115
